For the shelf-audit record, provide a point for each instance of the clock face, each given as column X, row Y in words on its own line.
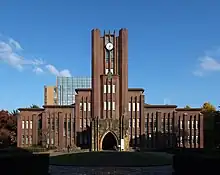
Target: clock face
column 109, row 46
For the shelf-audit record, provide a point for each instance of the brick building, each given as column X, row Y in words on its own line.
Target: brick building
column 110, row 114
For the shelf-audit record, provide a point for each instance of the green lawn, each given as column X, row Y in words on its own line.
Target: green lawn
column 113, row 159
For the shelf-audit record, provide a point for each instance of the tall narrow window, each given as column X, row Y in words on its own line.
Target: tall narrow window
column 84, row 123
column 31, row 124
column 80, row 106
column 57, row 124
column 197, row 124
column 129, row 106
column 138, row 123
column 112, row 71
column 109, row 89
column 188, row 124
column 133, row 123
column 22, row 124
column 133, row 107
column 69, row 125
column 89, row 106
column 192, row 124
column 181, row 124
column 105, row 105
column 26, row 139
column 197, row 139
column 113, row 88
column 80, row 123
column 52, row 141
column 30, row 140
column 26, row 124
column 106, row 71
column 104, row 91
column 22, row 139
column 109, row 105
column 107, row 55
column 138, row 106
column 84, row 106
column 113, row 106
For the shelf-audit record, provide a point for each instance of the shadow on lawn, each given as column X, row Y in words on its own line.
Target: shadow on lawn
column 116, row 159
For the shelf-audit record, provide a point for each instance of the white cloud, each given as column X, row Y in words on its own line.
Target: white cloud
column 38, row 70
column 15, row 44
column 208, row 63
column 12, row 53
column 62, row 73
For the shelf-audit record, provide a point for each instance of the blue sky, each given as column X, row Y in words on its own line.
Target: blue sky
column 174, row 47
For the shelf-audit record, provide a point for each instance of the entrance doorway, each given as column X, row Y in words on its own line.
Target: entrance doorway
column 109, row 142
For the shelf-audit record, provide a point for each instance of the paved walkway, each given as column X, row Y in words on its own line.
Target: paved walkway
column 71, row 170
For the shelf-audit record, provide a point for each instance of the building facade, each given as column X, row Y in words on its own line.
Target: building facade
column 109, row 114
column 50, row 95
column 64, row 91
column 66, row 88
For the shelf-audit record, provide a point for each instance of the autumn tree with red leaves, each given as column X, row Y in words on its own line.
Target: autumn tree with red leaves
column 8, row 128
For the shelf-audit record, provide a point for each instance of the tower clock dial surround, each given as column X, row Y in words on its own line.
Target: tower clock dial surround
column 109, row 46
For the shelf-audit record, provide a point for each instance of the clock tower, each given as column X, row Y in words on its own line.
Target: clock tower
column 109, row 74
column 109, row 83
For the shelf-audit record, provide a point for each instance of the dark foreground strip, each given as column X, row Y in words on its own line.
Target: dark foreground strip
column 111, row 166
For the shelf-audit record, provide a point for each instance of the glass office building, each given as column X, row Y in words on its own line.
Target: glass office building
column 66, row 88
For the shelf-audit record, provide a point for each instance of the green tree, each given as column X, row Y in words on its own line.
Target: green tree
column 187, row 107
column 208, row 107
column 14, row 112
column 34, row 106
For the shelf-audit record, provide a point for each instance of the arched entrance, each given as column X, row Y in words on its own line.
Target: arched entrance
column 109, row 142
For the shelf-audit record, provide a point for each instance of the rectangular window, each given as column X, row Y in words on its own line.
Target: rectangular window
column 69, row 125
column 84, row 106
column 133, row 107
column 129, row 106
column 129, row 123
column 197, row 139
column 22, row 139
column 107, row 55
column 57, row 124
column 197, row 124
column 106, row 71
column 109, row 88
column 181, row 140
column 104, row 91
column 30, row 140
column 109, row 105
column 133, row 123
column 89, row 106
column 80, row 106
column 113, row 106
column 105, row 105
column 22, row 124
column 84, row 123
column 188, row 139
column 52, row 141
column 189, row 124
column 26, row 139
column 138, row 107
column 31, row 124
column 112, row 71
column 138, row 122
column 181, row 124
column 192, row 124
column 26, row 124
column 113, row 88
column 192, row 139
column 48, row 141
column 80, row 123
